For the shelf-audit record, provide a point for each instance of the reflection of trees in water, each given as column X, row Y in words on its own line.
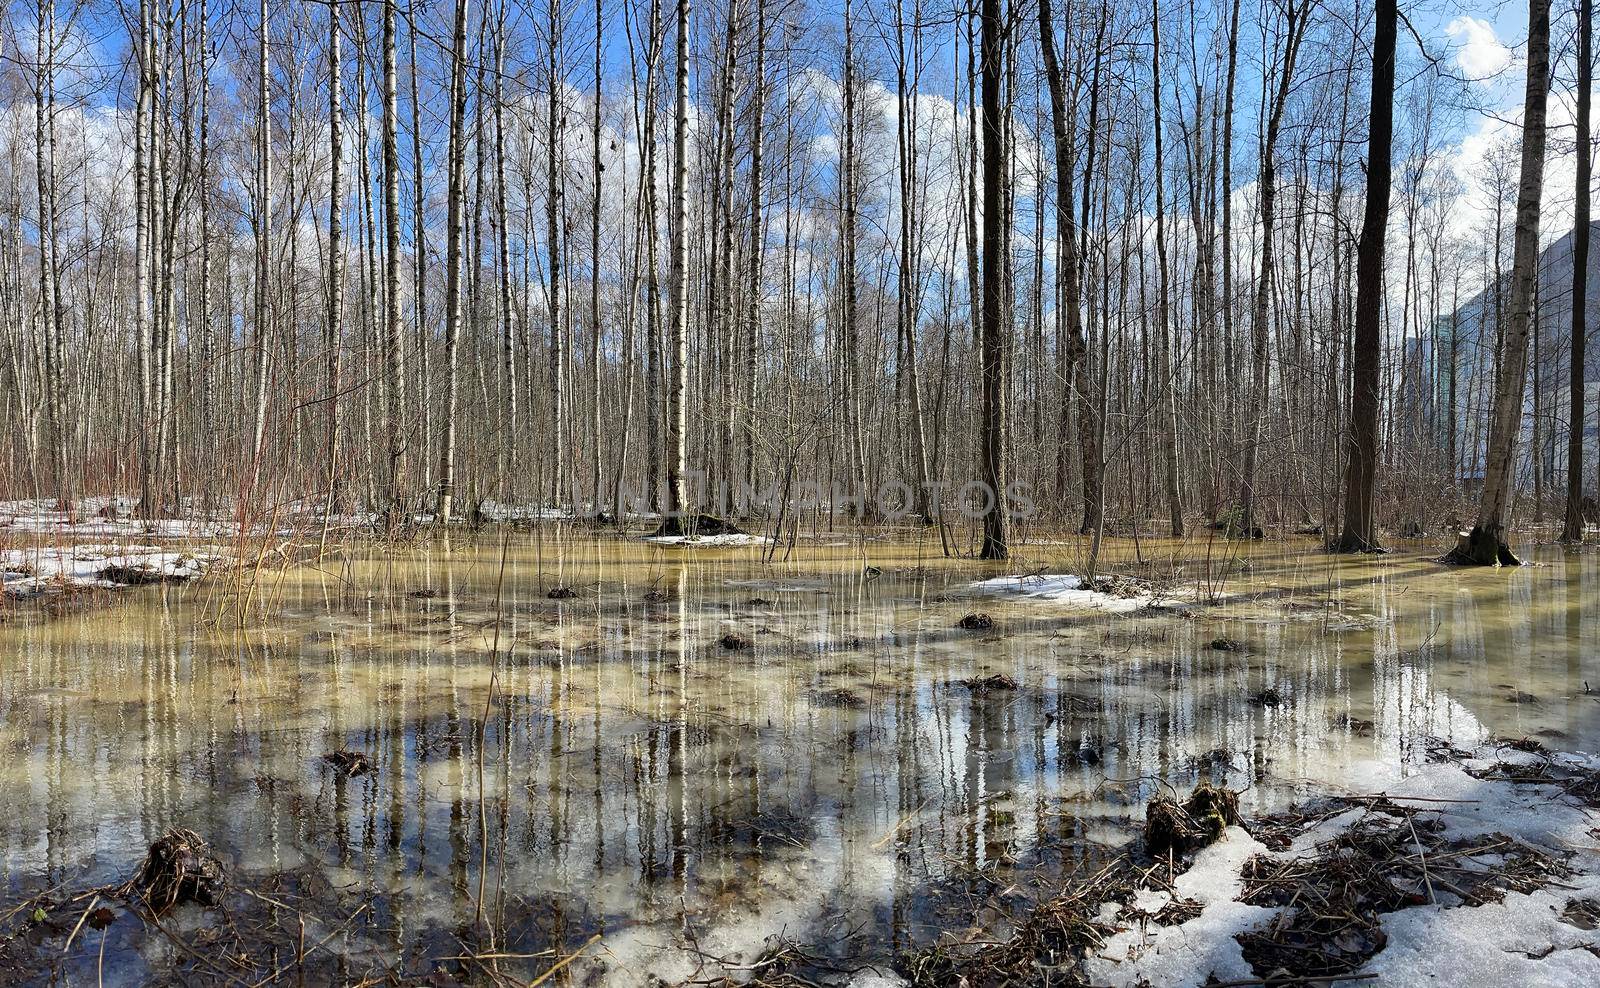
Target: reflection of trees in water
column 652, row 770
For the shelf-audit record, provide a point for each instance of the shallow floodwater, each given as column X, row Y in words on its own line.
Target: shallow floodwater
column 848, row 782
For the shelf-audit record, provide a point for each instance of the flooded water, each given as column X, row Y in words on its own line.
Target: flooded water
column 850, row 781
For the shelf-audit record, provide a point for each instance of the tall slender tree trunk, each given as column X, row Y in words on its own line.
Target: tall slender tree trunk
column 1361, row 473
column 1166, row 351
column 142, row 264
column 49, row 282
column 419, row 265
column 508, row 313
column 1073, row 347
column 263, row 302
column 992, row 446
column 595, row 329
column 1572, row 526
column 1487, row 543
column 554, row 129
column 849, row 276
column 335, row 271
column 395, row 354
column 1228, row 400
column 648, row 188
column 1091, row 392
column 758, row 236
column 453, row 262
column 1296, row 18
column 678, row 301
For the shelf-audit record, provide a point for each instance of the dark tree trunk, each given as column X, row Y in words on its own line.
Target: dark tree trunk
column 1572, row 529
column 1361, row 473
column 1486, row 544
column 992, row 448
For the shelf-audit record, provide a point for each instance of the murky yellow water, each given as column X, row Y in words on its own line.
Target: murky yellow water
column 837, row 782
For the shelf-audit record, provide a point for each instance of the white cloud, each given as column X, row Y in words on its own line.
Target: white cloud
column 1479, row 54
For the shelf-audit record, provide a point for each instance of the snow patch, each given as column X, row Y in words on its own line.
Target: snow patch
column 36, row 570
column 708, row 541
column 1060, row 588
column 1189, row 953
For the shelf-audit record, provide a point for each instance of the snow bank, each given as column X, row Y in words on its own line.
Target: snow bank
column 104, row 517
column 1522, row 939
column 35, row 570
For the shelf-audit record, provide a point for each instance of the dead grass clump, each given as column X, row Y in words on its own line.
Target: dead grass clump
column 1121, row 587
column 1332, row 899
column 1583, row 786
column 1047, row 947
column 1182, row 828
column 1177, row 912
column 178, row 868
column 996, row 683
column 1532, row 746
column 977, row 621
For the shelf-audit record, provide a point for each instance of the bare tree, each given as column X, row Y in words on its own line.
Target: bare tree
column 1296, row 19
column 1573, row 521
column 456, row 208
column 1360, row 517
column 1486, row 544
column 992, row 321
column 678, row 303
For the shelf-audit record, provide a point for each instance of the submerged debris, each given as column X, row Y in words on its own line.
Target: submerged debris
column 1268, row 697
column 837, row 696
column 1048, row 947
column 1182, row 828
column 996, row 683
column 178, row 868
column 1355, row 725
column 1090, row 750
column 976, row 621
column 349, row 763
column 1215, row 761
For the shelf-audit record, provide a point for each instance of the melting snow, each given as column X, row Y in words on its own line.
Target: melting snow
column 34, row 570
column 1060, row 588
